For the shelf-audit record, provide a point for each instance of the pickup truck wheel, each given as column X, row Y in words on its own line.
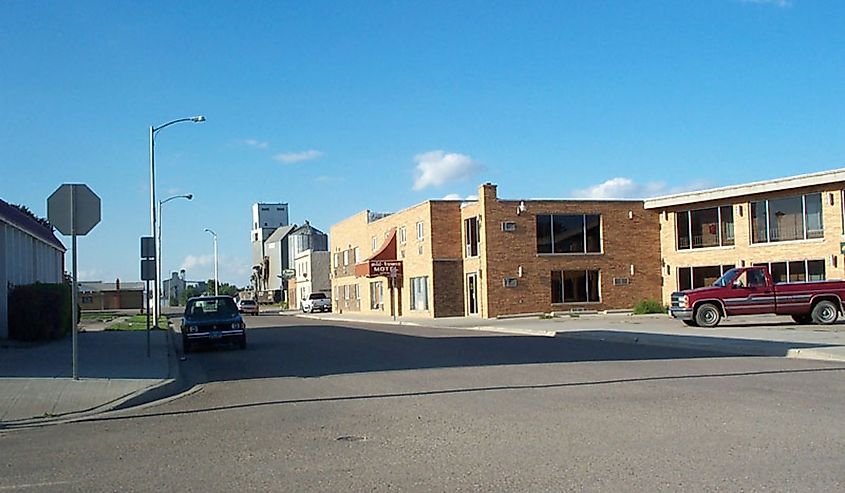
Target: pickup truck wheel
column 708, row 315
column 825, row 313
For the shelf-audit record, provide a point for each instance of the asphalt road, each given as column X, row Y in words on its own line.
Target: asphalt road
column 310, row 407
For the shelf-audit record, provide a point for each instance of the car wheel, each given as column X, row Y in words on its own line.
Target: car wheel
column 708, row 315
column 802, row 318
column 824, row 313
column 242, row 342
column 186, row 346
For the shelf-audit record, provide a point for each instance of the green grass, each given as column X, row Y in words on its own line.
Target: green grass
column 649, row 306
column 99, row 316
column 136, row 322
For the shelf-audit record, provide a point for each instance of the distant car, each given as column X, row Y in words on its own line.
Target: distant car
column 316, row 302
column 212, row 319
column 248, row 306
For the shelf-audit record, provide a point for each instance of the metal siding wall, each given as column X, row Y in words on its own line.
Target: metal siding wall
column 4, row 259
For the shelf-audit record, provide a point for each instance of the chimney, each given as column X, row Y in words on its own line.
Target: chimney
column 117, row 284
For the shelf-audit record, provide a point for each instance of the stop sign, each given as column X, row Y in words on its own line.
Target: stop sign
column 73, row 209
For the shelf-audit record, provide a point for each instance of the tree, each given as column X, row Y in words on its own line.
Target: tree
column 224, row 289
column 40, row 220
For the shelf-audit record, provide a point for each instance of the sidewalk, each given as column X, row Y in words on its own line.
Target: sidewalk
column 763, row 335
column 114, row 371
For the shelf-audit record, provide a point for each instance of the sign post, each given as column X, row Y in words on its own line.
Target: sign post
column 393, row 272
column 74, row 210
column 148, row 273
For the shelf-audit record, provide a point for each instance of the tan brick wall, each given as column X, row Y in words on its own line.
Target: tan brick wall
column 626, row 242
column 743, row 250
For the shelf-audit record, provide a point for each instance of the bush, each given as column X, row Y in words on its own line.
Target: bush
column 39, row 312
column 649, row 306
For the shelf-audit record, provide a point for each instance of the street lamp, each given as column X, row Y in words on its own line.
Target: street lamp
column 216, row 281
column 153, row 131
column 158, row 244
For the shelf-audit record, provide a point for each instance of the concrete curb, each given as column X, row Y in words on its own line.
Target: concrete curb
column 158, row 390
column 353, row 320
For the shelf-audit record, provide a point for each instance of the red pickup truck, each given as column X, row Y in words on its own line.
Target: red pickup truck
column 750, row 291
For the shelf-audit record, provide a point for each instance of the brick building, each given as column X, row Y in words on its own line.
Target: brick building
column 793, row 225
column 492, row 257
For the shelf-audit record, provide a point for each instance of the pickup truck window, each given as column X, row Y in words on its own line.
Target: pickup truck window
column 726, row 279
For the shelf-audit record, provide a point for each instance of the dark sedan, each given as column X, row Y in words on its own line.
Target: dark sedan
column 212, row 319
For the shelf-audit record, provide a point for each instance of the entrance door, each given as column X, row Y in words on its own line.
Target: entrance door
column 472, row 294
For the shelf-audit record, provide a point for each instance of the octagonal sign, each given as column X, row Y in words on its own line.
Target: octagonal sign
column 73, row 209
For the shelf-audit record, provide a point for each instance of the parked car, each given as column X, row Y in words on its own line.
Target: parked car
column 248, row 306
column 212, row 319
column 316, row 302
column 750, row 291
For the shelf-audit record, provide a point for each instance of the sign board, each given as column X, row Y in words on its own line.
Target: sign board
column 387, row 268
column 842, row 247
column 148, row 247
column 148, row 269
column 73, row 209
column 288, row 274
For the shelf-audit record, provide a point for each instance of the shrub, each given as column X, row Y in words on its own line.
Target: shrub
column 39, row 312
column 649, row 306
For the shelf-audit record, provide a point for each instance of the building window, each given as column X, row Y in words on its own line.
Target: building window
column 575, row 286
column 568, row 233
column 336, row 260
column 419, row 293
column 346, row 291
column 375, row 243
column 403, row 235
column 471, row 238
column 703, row 228
column 357, row 255
column 785, row 219
column 701, row 276
column 346, row 257
column 420, row 230
column 376, row 296
column 795, row 271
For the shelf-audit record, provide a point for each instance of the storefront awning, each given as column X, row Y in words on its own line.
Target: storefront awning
column 382, row 263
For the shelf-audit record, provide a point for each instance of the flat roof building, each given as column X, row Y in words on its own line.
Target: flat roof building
column 793, row 225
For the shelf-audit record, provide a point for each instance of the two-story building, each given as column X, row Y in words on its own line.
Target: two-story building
column 491, row 257
column 793, row 225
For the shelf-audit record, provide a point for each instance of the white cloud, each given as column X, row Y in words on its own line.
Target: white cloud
column 626, row 188
column 91, row 275
column 296, row 157
column 455, row 196
column 436, row 168
column 777, row 3
column 254, row 143
column 231, row 269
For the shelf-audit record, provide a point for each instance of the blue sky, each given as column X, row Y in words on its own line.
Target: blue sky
column 337, row 107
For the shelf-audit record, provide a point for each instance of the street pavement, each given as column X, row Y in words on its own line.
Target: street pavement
column 320, row 406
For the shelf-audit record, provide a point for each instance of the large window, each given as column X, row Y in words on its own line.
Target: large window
column 786, row 219
column 795, row 271
column 568, row 233
column 420, row 230
column 419, row 293
column 575, row 286
column 701, row 276
column 471, row 238
column 704, row 228
column 376, row 295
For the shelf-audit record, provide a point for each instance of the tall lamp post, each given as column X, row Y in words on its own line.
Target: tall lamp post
column 158, row 244
column 153, row 131
column 216, row 280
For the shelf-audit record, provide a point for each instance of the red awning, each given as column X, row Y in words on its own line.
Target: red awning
column 383, row 261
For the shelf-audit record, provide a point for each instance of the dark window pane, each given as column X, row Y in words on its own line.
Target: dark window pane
column 684, row 278
column 727, row 225
column 815, row 270
column 593, row 285
column 593, row 225
column 813, row 206
column 786, row 219
column 557, row 287
column 471, row 232
column 705, row 228
column 568, row 233
column 682, row 229
column 758, row 222
column 544, row 234
column 574, row 286
column 778, row 272
column 705, row 276
column 797, row 271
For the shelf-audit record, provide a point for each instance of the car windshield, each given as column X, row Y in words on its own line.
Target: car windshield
column 247, row 302
column 726, row 278
column 317, row 296
column 211, row 308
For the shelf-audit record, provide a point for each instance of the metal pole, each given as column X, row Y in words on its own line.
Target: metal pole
column 153, row 213
column 148, row 318
column 73, row 294
column 216, row 279
column 158, row 257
